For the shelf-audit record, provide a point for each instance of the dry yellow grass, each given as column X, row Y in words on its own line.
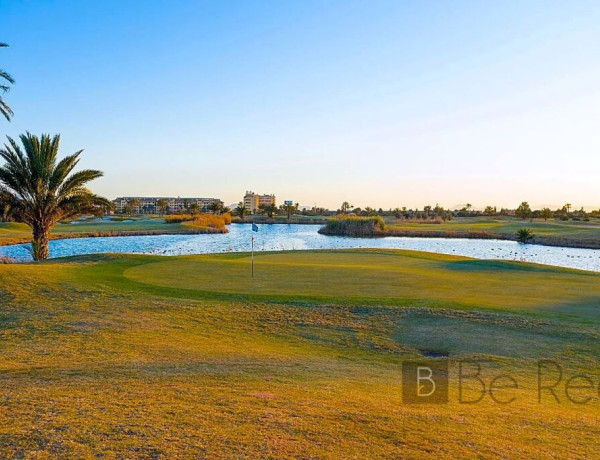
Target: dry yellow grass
column 114, row 356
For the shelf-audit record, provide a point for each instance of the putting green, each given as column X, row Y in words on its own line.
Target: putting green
column 388, row 276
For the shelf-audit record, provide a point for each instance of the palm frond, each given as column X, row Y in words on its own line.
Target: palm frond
column 5, row 110
column 62, row 170
column 43, row 190
column 6, row 76
column 77, row 181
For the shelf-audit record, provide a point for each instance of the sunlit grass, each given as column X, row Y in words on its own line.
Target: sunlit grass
column 140, row 356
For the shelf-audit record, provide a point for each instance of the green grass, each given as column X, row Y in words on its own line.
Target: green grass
column 12, row 233
column 166, row 357
column 553, row 231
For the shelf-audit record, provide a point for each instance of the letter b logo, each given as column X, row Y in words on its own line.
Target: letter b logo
column 425, row 382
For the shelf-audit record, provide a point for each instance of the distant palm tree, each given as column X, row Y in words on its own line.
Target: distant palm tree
column 524, row 235
column 162, row 205
column 5, row 78
column 40, row 190
column 194, row 208
column 241, row 210
column 216, row 207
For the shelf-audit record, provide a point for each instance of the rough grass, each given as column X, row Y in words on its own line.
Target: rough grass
column 155, row 357
column 14, row 233
column 552, row 232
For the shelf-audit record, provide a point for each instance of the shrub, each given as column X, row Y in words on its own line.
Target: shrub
column 226, row 217
column 206, row 221
column 354, row 226
column 524, row 235
column 178, row 218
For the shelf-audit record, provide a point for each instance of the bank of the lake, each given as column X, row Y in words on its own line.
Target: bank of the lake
column 571, row 234
column 306, row 237
column 16, row 233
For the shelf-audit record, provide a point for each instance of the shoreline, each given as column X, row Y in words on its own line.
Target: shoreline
column 537, row 240
column 115, row 233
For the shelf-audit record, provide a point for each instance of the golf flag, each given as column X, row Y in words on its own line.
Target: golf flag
column 254, row 229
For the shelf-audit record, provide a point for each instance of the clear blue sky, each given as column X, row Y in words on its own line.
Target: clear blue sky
column 380, row 103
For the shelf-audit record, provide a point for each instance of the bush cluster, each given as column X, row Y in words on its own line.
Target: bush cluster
column 355, row 226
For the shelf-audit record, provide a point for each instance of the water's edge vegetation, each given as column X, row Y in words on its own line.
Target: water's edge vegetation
column 375, row 227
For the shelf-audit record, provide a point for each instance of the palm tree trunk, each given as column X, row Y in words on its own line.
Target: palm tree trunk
column 40, row 243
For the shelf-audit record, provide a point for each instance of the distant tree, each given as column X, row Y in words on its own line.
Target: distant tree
column 489, row 211
column 545, row 213
column 270, row 210
column 128, row 209
column 241, row 210
column 523, row 211
column 216, row 207
column 194, row 208
column 5, row 80
column 289, row 209
column 345, row 207
column 524, row 235
column 162, row 205
column 133, row 204
column 42, row 190
column 370, row 212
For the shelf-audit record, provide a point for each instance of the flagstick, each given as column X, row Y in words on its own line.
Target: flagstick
column 252, row 263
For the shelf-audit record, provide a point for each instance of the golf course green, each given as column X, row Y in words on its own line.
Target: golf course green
column 159, row 357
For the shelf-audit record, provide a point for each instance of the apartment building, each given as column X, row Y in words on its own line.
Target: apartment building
column 152, row 205
column 253, row 201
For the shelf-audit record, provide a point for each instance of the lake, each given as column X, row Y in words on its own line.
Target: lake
column 300, row 237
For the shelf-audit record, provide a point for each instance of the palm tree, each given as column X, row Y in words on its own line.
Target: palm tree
column 216, row 207
column 524, row 235
column 546, row 213
column 5, row 78
column 132, row 205
column 241, row 210
column 41, row 190
column 162, row 205
column 194, row 208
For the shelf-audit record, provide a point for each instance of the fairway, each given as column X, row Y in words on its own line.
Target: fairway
column 113, row 355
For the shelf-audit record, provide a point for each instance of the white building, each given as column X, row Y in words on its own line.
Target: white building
column 152, row 205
